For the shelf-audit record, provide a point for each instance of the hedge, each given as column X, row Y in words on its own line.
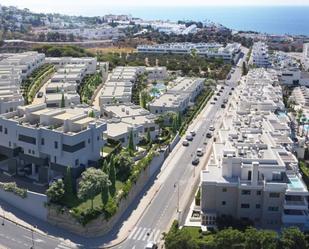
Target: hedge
column 12, row 187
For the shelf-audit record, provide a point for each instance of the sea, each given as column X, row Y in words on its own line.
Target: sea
column 293, row 20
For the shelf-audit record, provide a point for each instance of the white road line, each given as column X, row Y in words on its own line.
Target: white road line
column 146, row 235
column 142, row 234
column 62, row 246
column 133, row 247
column 136, row 234
column 156, row 236
column 132, row 232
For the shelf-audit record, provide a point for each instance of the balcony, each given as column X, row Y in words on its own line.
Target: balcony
column 296, row 205
column 295, row 217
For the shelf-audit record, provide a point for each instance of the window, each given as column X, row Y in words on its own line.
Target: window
column 26, row 139
column 0, row 128
column 258, row 206
column 98, row 138
column 224, row 190
column 55, row 159
column 259, row 192
column 88, row 140
column 223, row 203
column 76, row 162
column 245, row 205
column 73, row 148
column 56, row 145
column 245, row 192
column 273, row 209
column 42, row 141
column 274, row 195
column 5, row 130
column 249, row 175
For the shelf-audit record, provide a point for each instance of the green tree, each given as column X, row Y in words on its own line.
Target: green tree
column 257, row 239
column 56, row 191
column 123, row 165
column 131, row 146
column 293, row 238
column 149, row 140
column 93, row 182
column 91, row 114
column 62, row 105
column 68, row 183
column 112, row 176
column 105, row 166
column 228, row 238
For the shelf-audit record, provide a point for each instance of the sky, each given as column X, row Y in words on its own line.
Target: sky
column 86, row 7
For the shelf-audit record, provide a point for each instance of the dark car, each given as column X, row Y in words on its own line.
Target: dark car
column 230, row 93
column 218, row 94
column 215, row 99
column 232, row 88
column 223, row 106
column 209, row 135
column 222, row 87
column 195, row 161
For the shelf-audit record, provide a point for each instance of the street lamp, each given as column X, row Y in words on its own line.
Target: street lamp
column 32, row 247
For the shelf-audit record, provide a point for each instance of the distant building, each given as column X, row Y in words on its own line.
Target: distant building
column 259, row 55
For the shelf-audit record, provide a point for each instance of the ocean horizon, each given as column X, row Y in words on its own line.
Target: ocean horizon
column 293, row 20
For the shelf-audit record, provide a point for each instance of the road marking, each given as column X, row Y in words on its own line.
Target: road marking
column 62, row 246
column 133, row 247
column 147, row 234
column 156, row 235
column 133, row 231
column 141, row 234
column 136, row 234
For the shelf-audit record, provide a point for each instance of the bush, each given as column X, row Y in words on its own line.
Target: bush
column 12, row 187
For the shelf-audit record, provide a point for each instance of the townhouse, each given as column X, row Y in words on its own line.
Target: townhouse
column 180, row 93
column 42, row 142
column 122, row 119
column 252, row 173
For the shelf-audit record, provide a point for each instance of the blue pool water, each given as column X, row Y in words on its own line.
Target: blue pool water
column 281, row 114
column 295, row 182
column 157, row 89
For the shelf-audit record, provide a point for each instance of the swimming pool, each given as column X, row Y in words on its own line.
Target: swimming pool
column 157, row 89
column 295, row 182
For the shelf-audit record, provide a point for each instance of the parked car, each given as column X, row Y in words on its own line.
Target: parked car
column 209, row 135
column 218, row 94
column 40, row 94
column 215, row 99
column 151, row 245
column 195, row 161
column 223, row 106
column 212, row 128
column 193, row 133
column 199, row 152
column 185, row 142
column 230, row 93
column 189, row 137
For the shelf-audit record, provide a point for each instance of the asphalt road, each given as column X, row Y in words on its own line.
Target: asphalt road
column 163, row 209
column 176, row 186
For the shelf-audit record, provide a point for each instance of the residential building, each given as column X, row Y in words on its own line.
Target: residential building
column 123, row 118
column 230, row 52
column 178, row 96
column 252, row 173
column 42, row 142
column 259, row 55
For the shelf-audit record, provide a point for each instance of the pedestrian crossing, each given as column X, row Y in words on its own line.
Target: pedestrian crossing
column 144, row 234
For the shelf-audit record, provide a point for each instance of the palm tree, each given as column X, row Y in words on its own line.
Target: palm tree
column 298, row 118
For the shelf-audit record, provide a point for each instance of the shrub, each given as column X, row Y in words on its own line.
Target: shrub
column 12, row 187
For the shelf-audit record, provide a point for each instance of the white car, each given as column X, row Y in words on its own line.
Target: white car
column 151, row 245
column 199, row 152
column 193, row 133
column 189, row 137
column 211, row 128
column 185, row 142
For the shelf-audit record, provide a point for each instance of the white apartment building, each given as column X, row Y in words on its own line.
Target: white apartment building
column 43, row 142
column 116, row 92
column 259, row 55
column 70, row 62
column 124, row 118
column 230, row 52
column 26, row 62
column 252, row 173
column 305, row 59
column 178, row 96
